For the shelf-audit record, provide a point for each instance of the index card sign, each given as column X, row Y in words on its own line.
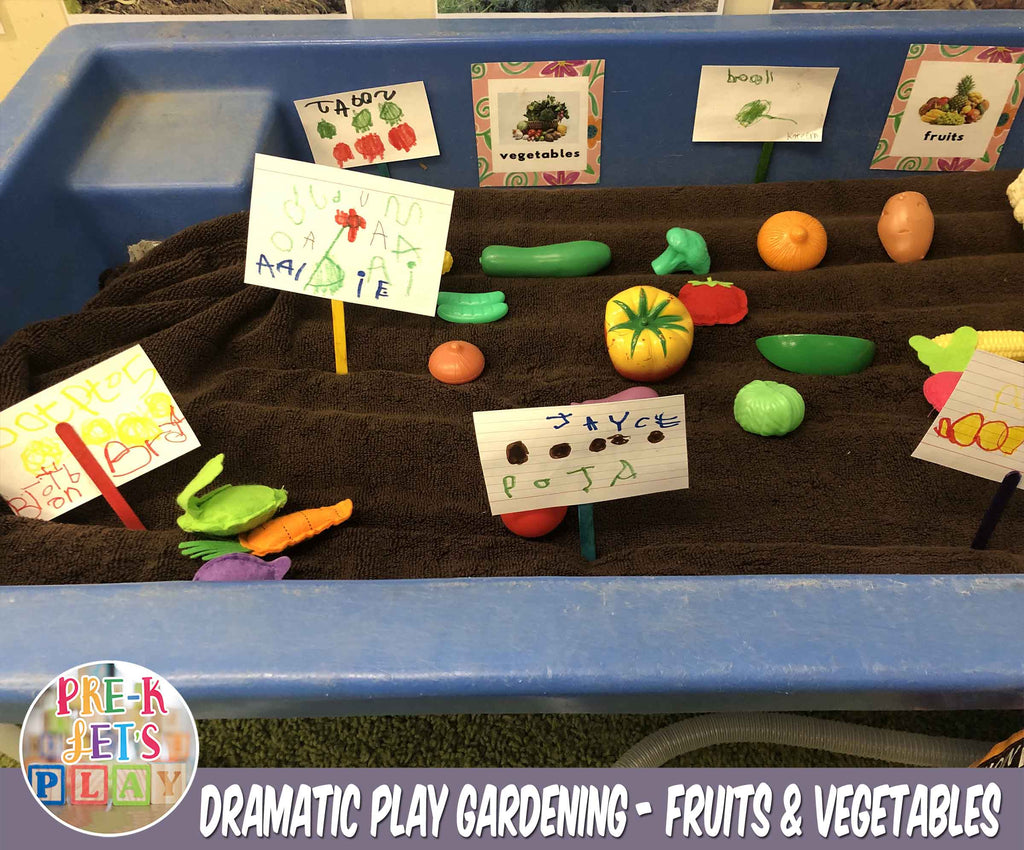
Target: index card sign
column 980, row 429
column 740, row 103
column 543, row 457
column 346, row 235
column 379, row 124
column 123, row 412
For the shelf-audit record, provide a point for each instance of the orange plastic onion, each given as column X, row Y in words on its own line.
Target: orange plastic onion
column 792, row 241
column 456, row 362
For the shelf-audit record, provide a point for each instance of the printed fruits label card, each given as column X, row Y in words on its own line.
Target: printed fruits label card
column 952, row 109
column 538, row 123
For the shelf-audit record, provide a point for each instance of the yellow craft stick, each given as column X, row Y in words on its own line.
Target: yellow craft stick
column 340, row 347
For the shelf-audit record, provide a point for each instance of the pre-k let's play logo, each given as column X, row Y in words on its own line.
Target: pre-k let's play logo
column 109, row 748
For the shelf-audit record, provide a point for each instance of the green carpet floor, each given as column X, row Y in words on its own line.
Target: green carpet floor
column 545, row 740
column 540, row 740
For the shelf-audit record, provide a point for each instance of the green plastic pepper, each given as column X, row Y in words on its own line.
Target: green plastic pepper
column 817, row 354
column 947, row 358
column 228, row 510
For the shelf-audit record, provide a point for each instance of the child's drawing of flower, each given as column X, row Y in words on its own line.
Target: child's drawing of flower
column 562, row 69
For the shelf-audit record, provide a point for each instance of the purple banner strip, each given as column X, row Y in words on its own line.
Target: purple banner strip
column 628, row 808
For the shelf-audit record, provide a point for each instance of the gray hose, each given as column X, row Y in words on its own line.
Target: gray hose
column 797, row 731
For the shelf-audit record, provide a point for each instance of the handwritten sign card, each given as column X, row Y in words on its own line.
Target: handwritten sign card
column 346, row 235
column 543, row 457
column 380, row 124
column 124, row 414
column 980, row 429
column 743, row 103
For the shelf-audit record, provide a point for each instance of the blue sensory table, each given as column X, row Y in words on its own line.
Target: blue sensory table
column 129, row 131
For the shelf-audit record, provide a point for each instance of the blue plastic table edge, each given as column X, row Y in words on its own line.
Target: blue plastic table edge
column 638, row 644
column 78, row 45
column 548, row 644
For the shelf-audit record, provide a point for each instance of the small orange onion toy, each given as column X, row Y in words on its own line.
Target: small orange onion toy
column 456, row 362
column 792, row 241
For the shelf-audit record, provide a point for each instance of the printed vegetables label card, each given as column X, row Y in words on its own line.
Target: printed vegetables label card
column 739, row 103
column 125, row 415
column 538, row 123
column 380, row 124
column 952, row 109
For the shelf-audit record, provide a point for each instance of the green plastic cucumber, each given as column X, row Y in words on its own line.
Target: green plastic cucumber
column 472, row 314
column 564, row 259
column 470, row 297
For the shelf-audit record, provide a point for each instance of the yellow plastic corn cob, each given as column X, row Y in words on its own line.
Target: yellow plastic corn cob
column 1004, row 343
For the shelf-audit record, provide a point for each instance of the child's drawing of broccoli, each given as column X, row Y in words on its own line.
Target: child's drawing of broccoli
column 756, row 110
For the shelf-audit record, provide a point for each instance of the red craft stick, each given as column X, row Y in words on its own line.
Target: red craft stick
column 106, row 486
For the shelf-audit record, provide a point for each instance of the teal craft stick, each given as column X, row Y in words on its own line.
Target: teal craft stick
column 588, row 541
column 762, row 164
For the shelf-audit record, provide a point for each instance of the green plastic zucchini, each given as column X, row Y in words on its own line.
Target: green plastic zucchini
column 472, row 314
column 564, row 259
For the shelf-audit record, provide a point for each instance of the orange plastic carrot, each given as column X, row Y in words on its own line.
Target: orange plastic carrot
column 276, row 535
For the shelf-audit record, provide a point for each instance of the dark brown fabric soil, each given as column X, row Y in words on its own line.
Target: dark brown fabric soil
column 252, row 368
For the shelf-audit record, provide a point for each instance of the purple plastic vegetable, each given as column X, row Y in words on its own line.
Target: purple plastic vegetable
column 632, row 394
column 243, row 567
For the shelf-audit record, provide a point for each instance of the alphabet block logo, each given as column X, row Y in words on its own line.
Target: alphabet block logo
column 169, row 782
column 131, row 785
column 108, row 748
column 88, row 784
column 47, row 782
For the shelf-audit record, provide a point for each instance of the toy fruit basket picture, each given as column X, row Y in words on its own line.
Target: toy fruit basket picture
column 966, row 106
column 649, row 333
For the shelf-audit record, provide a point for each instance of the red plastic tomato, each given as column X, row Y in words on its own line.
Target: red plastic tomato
column 535, row 523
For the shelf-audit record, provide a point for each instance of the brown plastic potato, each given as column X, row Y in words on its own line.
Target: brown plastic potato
column 906, row 227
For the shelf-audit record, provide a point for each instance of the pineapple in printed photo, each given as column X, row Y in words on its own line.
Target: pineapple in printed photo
column 966, row 106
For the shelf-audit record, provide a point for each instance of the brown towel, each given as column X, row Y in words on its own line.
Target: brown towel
column 253, row 370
